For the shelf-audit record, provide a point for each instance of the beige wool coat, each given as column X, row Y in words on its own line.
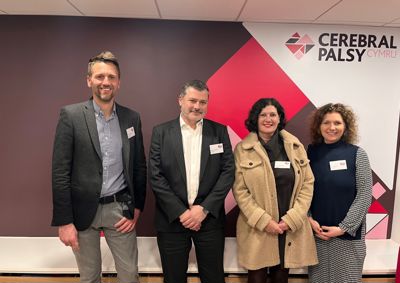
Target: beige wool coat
column 255, row 192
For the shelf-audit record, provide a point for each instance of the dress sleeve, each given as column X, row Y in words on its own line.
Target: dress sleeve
column 362, row 201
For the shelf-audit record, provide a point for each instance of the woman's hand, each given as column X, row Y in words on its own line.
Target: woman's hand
column 331, row 231
column 282, row 224
column 273, row 228
column 317, row 229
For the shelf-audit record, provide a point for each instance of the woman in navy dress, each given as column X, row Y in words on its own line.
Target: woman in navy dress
column 342, row 195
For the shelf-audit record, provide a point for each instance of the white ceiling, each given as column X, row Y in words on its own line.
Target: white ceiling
column 348, row 12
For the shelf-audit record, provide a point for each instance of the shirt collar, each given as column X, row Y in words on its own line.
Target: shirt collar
column 99, row 112
column 184, row 125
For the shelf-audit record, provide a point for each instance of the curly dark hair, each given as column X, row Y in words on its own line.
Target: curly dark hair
column 251, row 122
column 348, row 116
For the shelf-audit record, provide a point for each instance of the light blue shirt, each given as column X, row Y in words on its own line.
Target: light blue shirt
column 111, row 150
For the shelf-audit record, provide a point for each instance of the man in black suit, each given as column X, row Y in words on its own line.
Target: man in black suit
column 99, row 175
column 191, row 170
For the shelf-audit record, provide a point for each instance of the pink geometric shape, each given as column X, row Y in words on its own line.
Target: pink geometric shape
column 376, row 207
column 230, row 202
column 299, row 54
column 235, row 139
column 380, row 230
column 294, row 47
column 305, row 40
column 248, row 75
column 378, row 190
column 398, row 268
column 296, row 35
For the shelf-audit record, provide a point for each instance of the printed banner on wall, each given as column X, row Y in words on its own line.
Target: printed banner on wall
column 307, row 66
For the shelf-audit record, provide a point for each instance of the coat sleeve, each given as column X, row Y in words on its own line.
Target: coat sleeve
column 255, row 215
column 215, row 199
column 61, row 170
column 139, row 169
column 167, row 200
column 362, row 201
column 297, row 214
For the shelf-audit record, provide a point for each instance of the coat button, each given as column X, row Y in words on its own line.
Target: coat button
column 301, row 161
column 289, row 244
column 250, row 163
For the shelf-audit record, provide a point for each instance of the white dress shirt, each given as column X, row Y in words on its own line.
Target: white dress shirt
column 191, row 140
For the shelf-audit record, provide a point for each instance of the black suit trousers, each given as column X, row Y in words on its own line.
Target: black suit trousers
column 174, row 250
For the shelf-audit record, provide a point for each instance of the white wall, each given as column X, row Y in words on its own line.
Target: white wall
column 47, row 255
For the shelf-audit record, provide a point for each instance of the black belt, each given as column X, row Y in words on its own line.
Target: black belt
column 118, row 196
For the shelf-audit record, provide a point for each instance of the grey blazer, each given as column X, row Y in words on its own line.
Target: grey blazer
column 168, row 175
column 77, row 163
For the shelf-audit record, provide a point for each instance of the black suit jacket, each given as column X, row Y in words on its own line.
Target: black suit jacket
column 77, row 170
column 168, row 175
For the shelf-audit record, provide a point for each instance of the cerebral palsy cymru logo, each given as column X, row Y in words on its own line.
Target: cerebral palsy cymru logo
column 345, row 46
column 299, row 45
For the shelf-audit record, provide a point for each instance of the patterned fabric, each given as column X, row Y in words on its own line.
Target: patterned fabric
column 342, row 260
column 110, row 140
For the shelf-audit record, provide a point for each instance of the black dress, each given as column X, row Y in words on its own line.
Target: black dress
column 284, row 180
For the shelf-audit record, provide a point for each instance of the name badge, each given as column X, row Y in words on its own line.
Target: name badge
column 216, row 148
column 130, row 132
column 282, row 164
column 338, row 165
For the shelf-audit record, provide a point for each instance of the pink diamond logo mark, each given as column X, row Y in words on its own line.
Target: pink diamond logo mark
column 299, row 45
column 378, row 190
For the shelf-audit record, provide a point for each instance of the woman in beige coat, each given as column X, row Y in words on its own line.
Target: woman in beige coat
column 273, row 188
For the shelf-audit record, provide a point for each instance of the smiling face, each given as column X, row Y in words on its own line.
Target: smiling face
column 104, row 82
column 268, row 121
column 332, row 127
column 193, row 106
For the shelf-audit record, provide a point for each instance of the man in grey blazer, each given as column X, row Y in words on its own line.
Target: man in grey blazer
column 99, row 175
column 191, row 170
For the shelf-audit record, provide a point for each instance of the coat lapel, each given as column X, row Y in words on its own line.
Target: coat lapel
column 90, row 118
column 205, row 147
column 251, row 141
column 124, row 125
column 176, row 138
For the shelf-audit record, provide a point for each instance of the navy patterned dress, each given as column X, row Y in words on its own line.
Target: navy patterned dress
column 342, row 196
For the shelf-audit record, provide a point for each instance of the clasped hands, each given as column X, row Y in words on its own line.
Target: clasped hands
column 325, row 232
column 192, row 217
column 274, row 227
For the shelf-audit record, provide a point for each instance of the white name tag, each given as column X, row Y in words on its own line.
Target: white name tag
column 130, row 132
column 216, row 148
column 282, row 164
column 338, row 165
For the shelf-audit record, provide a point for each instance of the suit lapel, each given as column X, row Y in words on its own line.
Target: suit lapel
column 124, row 125
column 205, row 147
column 176, row 138
column 90, row 118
